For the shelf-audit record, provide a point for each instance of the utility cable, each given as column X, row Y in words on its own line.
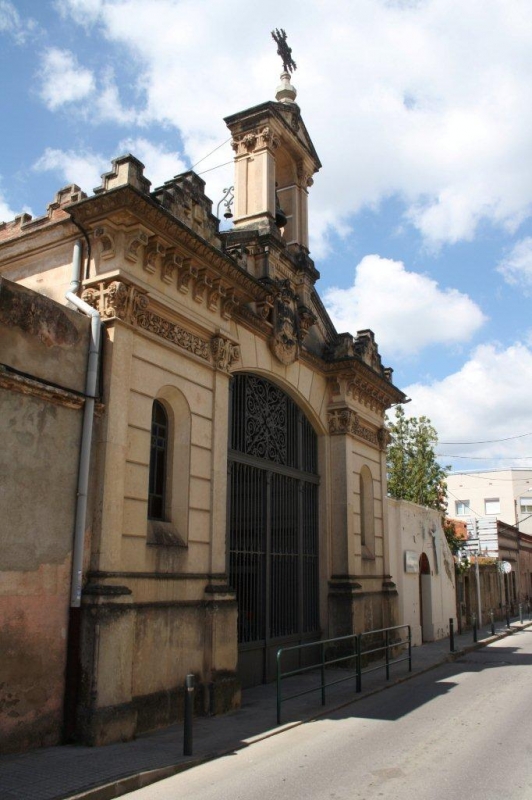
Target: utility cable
column 211, row 169
column 210, row 154
column 492, row 441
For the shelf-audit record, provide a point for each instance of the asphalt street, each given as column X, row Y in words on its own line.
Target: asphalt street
column 462, row 730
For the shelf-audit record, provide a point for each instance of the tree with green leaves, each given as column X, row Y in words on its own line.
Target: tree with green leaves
column 413, row 471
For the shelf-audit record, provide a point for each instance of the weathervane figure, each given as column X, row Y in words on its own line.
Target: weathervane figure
column 279, row 37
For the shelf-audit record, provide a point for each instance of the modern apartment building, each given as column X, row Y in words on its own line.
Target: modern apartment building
column 503, row 494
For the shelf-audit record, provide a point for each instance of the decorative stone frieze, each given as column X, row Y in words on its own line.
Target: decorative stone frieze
column 116, row 299
column 252, row 141
column 120, row 300
column 154, row 323
column 346, row 421
column 224, row 352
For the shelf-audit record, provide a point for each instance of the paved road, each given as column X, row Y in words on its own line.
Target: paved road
column 463, row 730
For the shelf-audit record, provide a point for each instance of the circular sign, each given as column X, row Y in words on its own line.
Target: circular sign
column 506, row 566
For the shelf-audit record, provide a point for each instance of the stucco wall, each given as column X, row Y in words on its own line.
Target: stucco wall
column 40, row 428
column 418, row 529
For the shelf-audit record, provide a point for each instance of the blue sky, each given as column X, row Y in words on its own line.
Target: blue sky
column 421, row 112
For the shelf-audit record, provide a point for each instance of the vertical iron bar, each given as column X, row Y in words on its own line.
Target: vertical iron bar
column 187, row 717
column 409, row 649
column 279, row 686
column 386, row 644
column 358, row 664
column 322, row 648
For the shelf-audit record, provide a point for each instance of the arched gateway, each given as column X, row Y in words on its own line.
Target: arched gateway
column 273, row 524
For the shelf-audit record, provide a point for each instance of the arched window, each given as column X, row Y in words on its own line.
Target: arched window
column 158, row 462
column 367, row 513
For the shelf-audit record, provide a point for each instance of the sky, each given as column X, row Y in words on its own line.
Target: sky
column 421, row 113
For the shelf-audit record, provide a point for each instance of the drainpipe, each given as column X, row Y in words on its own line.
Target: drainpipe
column 91, row 385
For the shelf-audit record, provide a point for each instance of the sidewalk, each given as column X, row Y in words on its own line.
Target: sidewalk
column 102, row 773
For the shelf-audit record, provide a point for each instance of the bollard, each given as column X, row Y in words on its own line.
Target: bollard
column 451, row 634
column 492, row 622
column 187, row 720
column 474, row 621
column 507, row 616
column 521, row 613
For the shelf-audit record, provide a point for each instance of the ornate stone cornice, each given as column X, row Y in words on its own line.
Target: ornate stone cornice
column 344, row 421
column 117, row 299
column 153, row 216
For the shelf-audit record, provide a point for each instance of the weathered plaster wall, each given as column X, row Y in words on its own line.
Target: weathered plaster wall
column 418, row 529
column 40, row 431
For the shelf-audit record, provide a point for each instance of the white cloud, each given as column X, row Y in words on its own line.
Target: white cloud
column 63, row 80
column 6, row 212
column 516, row 268
column 12, row 24
column 488, row 398
column 161, row 164
column 84, row 168
column 408, row 310
column 84, row 12
column 428, row 102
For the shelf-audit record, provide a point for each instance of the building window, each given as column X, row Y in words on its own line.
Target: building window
column 158, row 462
column 462, row 508
column 367, row 513
column 525, row 505
column 492, row 505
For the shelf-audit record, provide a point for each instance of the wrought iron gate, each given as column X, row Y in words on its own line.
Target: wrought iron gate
column 273, row 524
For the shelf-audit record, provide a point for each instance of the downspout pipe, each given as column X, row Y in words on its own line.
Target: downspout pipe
column 91, row 388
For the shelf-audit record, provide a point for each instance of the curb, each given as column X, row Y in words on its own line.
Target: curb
column 121, row 786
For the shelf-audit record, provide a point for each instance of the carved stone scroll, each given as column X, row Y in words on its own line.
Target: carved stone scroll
column 346, row 421
column 224, row 353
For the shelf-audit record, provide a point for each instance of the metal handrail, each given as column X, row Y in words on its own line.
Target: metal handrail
column 357, row 655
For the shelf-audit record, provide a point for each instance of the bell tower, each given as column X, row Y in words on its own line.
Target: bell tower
column 274, row 162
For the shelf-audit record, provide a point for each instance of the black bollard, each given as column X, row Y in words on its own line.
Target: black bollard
column 451, row 634
column 521, row 613
column 492, row 623
column 474, row 620
column 507, row 616
column 187, row 719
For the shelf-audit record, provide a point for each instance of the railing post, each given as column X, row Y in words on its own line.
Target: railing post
column 387, row 646
column 451, row 634
column 474, row 621
column 279, row 686
column 492, row 622
column 187, row 717
column 409, row 649
column 322, row 649
column 359, row 665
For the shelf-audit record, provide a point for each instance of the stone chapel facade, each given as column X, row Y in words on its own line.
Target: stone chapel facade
column 238, row 467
